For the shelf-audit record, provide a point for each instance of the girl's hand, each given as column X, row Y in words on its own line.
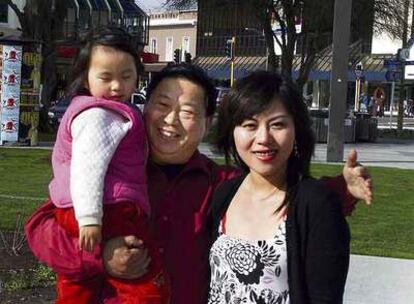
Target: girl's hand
column 89, row 236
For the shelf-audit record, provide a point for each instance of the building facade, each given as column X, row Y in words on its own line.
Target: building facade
column 9, row 23
column 219, row 22
column 171, row 30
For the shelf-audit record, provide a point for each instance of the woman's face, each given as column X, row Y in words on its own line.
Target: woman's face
column 265, row 141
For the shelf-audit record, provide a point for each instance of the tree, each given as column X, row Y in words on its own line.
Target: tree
column 316, row 23
column 42, row 20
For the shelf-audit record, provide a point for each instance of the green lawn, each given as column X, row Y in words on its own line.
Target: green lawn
column 387, row 227
column 25, row 174
column 384, row 229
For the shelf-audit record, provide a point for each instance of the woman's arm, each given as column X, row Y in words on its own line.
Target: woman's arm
column 354, row 184
column 327, row 247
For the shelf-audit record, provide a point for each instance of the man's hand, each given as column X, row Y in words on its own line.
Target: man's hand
column 357, row 178
column 125, row 257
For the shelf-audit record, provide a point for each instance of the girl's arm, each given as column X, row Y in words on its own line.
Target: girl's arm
column 96, row 134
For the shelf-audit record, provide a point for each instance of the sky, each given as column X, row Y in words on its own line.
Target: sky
column 150, row 4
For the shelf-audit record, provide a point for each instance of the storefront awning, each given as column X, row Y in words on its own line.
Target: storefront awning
column 130, row 8
column 155, row 67
column 373, row 67
column 219, row 67
column 98, row 5
column 83, row 4
column 373, row 64
column 115, row 6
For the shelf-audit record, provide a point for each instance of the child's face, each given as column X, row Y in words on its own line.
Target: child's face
column 112, row 74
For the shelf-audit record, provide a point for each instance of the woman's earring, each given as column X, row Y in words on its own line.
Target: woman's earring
column 295, row 150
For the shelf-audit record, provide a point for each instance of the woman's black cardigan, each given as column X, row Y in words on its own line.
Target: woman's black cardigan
column 317, row 237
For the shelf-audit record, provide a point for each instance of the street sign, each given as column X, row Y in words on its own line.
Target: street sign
column 409, row 72
column 403, row 54
column 392, row 63
column 393, row 75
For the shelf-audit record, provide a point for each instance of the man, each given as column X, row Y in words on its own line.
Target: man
column 181, row 103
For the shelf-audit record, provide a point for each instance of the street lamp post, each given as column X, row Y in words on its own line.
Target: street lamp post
column 358, row 74
column 230, row 54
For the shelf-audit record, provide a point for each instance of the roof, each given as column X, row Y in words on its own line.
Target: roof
column 98, row 5
column 131, row 8
column 18, row 40
column 373, row 64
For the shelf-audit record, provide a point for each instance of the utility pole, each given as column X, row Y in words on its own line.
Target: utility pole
column 400, row 117
column 339, row 80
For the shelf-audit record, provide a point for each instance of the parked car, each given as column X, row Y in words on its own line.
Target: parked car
column 139, row 98
column 57, row 110
column 59, row 107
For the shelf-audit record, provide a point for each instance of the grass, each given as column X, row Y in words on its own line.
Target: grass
column 25, row 176
column 38, row 276
column 384, row 229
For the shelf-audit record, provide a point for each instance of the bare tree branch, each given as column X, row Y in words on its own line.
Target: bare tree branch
column 15, row 9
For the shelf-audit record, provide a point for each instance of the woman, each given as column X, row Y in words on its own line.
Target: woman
column 280, row 236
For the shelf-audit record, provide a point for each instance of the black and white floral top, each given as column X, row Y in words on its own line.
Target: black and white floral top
column 244, row 272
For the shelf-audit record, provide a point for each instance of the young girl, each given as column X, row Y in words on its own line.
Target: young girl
column 280, row 236
column 99, row 158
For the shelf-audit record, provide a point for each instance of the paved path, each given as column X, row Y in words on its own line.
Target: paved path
column 375, row 280
column 384, row 153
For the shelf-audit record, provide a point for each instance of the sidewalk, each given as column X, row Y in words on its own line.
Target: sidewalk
column 384, row 153
column 376, row 280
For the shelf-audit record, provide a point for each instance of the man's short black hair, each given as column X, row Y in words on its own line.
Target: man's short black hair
column 189, row 72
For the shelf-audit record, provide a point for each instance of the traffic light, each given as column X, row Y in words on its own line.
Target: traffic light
column 229, row 49
column 187, row 58
column 177, row 57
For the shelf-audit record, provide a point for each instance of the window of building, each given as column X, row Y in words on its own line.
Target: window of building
column 153, row 46
column 169, row 49
column 185, row 47
column 4, row 13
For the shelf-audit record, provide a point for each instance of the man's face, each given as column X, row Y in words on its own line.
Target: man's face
column 175, row 119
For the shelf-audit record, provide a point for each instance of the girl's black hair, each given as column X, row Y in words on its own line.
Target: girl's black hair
column 253, row 95
column 109, row 36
